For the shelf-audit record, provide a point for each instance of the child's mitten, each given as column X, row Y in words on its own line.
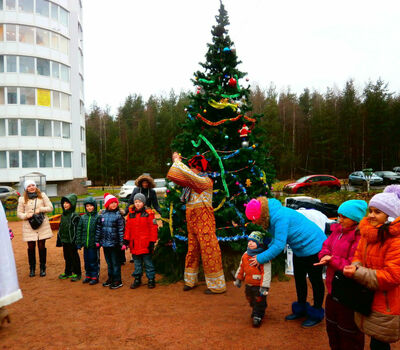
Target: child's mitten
column 98, row 245
column 151, row 247
column 264, row 291
column 237, row 283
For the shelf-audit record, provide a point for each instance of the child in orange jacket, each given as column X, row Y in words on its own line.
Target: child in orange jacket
column 257, row 278
column 141, row 235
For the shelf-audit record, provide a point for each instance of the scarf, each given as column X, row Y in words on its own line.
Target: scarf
column 32, row 195
column 252, row 252
column 187, row 190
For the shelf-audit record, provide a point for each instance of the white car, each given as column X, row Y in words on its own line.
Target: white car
column 128, row 187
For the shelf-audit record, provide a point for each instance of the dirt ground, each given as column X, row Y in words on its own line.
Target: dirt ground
column 58, row 314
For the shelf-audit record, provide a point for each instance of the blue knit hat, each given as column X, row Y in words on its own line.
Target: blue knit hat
column 257, row 237
column 353, row 209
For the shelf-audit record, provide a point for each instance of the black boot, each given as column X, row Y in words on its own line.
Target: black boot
column 32, row 262
column 137, row 282
column 151, row 283
column 42, row 259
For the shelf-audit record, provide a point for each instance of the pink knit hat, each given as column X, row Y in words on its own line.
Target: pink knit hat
column 109, row 198
column 253, row 210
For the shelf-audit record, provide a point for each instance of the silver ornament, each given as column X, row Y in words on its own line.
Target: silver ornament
column 245, row 144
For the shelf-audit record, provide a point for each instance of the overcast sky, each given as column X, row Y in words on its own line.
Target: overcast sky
column 152, row 46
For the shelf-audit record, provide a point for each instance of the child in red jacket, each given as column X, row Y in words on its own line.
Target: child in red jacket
column 257, row 278
column 141, row 235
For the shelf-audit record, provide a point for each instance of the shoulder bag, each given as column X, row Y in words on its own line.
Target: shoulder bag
column 37, row 219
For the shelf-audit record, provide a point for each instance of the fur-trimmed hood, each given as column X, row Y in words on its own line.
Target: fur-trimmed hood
column 143, row 177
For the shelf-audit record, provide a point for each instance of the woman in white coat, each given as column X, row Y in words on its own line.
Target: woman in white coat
column 35, row 202
column 9, row 288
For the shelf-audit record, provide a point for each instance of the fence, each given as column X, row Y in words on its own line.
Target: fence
column 57, row 208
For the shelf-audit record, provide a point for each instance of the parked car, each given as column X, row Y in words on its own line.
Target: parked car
column 9, row 197
column 358, row 178
column 302, row 184
column 127, row 189
column 389, row 177
column 396, row 169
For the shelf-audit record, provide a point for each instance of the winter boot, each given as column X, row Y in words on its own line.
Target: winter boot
column 32, row 262
column 257, row 321
column 299, row 310
column 314, row 316
column 151, row 283
column 42, row 259
column 137, row 282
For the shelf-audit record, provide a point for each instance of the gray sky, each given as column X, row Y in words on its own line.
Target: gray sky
column 152, row 46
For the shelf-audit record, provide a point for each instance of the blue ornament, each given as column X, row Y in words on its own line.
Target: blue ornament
column 226, row 136
column 227, row 49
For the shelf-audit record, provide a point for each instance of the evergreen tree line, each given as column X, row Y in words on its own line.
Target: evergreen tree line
column 335, row 132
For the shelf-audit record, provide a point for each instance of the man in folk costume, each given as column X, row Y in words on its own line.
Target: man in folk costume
column 202, row 241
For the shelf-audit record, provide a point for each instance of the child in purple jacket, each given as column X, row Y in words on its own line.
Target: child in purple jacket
column 338, row 251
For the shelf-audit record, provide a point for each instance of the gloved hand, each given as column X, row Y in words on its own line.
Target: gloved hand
column 79, row 247
column 97, row 245
column 123, row 247
column 237, row 283
column 264, row 291
column 151, row 247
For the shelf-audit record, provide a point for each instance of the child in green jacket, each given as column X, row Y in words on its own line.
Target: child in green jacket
column 67, row 234
column 86, row 239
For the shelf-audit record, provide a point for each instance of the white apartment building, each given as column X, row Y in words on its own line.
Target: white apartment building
column 42, row 118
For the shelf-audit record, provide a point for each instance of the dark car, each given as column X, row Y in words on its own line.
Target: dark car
column 304, row 183
column 389, row 177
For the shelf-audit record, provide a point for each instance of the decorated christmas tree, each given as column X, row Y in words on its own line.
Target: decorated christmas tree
column 221, row 127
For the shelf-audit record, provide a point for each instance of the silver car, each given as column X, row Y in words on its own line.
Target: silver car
column 358, row 178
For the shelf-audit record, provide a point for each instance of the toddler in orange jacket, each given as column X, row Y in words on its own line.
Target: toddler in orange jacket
column 257, row 278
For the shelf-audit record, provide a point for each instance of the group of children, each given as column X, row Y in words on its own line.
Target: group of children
column 112, row 230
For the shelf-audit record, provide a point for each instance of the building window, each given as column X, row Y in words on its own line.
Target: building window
column 29, row 159
column 43, row 67
column 64, row 73
column 1, row 96
column 43, row 97
column 57, row 128
column 28, row 127
column 82, row 133
column 3, row 159
column 54, row 11
column 27, row 96
column 1, row 32
column 11, row 32
column 58, row 159
column 66, row 130
column 1, row 63
column 83, row 160
column 64, row 101
column 45, row 159
column 42, row 7
column 25, row 6
column 11, row 95
column 54, row 41
column 10, row 5
column 44, row 127
column 12, row 127
column 42, row 37
column 26, row 65
column 63, row 45
column 26, row 35
column 13, row 159
column 67, row 160
column 56, row 99
column 11, row 64
column 63, row 17
column 55, row 70
column 2, row 127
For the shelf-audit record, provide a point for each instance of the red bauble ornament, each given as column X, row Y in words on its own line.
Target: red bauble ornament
column 232, row 82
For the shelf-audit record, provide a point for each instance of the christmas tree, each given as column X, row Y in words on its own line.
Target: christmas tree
column 221, row 127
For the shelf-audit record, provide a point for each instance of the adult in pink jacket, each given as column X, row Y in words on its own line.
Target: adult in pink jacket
column 337, row 252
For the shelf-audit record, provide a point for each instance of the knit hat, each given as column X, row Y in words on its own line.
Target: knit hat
column 140, row 197
column 253, row 210
column 27, row 183
column 257, row 237
column 353, row 209
column 388, row 201
column 108, row 199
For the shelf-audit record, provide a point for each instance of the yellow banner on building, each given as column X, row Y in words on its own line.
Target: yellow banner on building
column 43, row 97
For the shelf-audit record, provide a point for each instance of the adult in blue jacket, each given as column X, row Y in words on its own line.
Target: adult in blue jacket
column 305, row 238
